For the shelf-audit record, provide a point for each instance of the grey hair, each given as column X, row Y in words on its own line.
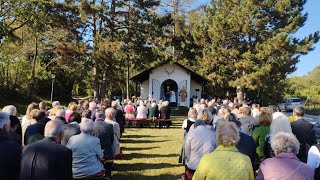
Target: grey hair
column 4, row 119
column 86, row 125
column 10, row 109
column 55, row 103
column 53, row 128
column 114, row 104
column 100, row 115
column 153, row 104
column 165, row 103
column 61, row 112
column 285, row 143
column 280, row 124
column 92, row 105
column 110, row 111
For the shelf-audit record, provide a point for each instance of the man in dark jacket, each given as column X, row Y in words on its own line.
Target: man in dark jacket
column 47, row 159
column 304, row 132
column 119, row 116
column 246, row 144
column 104, row 131
column 10, row 151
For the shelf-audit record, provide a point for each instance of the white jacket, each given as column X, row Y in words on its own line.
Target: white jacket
column 199, row 142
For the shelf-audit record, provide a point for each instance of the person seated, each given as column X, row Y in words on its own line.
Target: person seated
column 225, row 162
column 285, row 165
column 199, row 141
column 47, row 159
column 142, row 111
column 30, row 127
column 165, row 114
column 75, row 118
column 69, row 131
column 86, row 152
column 72, row 108
column 104, row 131
column 40, row 134
column 129, row 110
column 10, row 151
column 153, row 111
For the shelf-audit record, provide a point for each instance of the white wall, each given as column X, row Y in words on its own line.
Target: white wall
column 176, row 73
column 144, row 90
column 195, row 85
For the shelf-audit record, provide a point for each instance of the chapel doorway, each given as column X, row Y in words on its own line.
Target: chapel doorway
column 173, row 97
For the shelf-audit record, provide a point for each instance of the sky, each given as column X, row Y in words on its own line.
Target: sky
column 312, row 59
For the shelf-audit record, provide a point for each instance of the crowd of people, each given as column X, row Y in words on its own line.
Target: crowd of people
column 232, row 140
column 223, row 140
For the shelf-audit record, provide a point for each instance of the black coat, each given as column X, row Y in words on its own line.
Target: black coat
column 304, row 132
column 247, row 146
column 46, row 159
column 104, row 131
column 267, row 150
column 120, row 119
column 10, row 156
column 69, row 131
column 165, row 112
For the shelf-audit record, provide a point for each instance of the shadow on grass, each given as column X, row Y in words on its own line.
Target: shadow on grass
column 133, row 176
column 138, row 156
column 139, row 136
column 141, row 141
column 138, row 148
column 143, row 166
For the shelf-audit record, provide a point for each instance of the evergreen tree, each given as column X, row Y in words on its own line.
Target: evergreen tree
column 251, row 43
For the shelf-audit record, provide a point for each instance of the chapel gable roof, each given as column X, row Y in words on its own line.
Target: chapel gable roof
column 144, row 75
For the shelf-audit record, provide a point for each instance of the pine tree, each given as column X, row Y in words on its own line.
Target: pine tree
column 251, row 43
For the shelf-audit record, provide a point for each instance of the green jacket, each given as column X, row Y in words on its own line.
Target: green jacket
column 259, row 136
column 224, row 163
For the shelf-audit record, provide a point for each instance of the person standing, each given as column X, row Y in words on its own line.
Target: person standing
column 167, row 93
column 10, row 151
column 304, row 132
column 47, row 159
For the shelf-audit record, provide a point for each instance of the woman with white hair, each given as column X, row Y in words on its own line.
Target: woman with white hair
column 86, row 152
column 279, row 124
column 10, row 109
column 285, row 164
column 225, row 162
column 153, row 111
column 165, row 113
column 142, row 111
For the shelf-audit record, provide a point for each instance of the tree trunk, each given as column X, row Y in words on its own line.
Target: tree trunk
column 96, row 68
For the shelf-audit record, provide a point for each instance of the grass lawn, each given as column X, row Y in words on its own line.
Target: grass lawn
column 151, row 153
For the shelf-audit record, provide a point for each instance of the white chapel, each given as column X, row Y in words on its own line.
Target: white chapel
column 154, row 81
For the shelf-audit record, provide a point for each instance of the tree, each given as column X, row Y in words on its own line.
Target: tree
column 251, row 43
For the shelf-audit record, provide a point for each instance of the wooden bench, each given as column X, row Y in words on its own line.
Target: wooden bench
column 145, row 121
column 135, row 121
